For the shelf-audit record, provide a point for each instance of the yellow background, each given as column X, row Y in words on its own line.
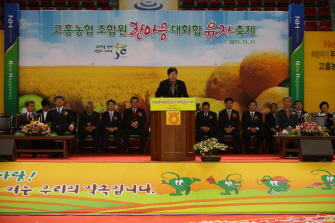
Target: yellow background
column 319, row 84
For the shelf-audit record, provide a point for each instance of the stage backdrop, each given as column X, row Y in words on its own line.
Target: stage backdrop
column 101, row 55
column 319, row 70
column 166, row 188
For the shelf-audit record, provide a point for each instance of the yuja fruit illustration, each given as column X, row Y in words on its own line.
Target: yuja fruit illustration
column 271, row 95
column 215, row 105
column 262, row 69
column 29, row 97
column 225, row 82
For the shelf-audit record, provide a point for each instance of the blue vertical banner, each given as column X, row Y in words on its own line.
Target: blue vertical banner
column 296, row 41
column 11, row 60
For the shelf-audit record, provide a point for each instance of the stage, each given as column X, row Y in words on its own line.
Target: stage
column 112, row 157
column 124, row 184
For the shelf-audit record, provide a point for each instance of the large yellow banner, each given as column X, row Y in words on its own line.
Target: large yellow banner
column 319, row 70
column 173, row 104
column 183, row 188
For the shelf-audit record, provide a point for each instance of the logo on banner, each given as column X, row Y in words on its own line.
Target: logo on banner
column 148, row 5
column 173, row 118
column 120, row 51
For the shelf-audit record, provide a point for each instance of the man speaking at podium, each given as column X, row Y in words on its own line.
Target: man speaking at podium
column 171, row 88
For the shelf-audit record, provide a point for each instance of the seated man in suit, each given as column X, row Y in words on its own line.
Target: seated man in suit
column 298, row 106
column 44, row 111
column 134, row 119
column 172, row 87
column 26, row 118
column 74, row 115
column 60, row 118
column 229, row 121
column 271, row 127
column 286, row 116
column 89, row 124
column 206, row 122
column 111, row 123
column 252, row 123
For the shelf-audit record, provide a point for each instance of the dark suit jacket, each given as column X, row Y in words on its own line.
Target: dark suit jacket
column 248, row 122
column 164, row 89
column 270, row 122
column 330, row 122
column 84, row 118
column 301, row 119
column 283, row 121
column 234, row 120
column 128, row 117
column 65, row 120
column 107, row 123
column 210, row 120
column 23, row 119
column 40, row 112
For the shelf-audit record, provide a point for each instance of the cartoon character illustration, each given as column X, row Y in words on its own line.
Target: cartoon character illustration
column 227, row 185
column 179, row 183
column 328, row 180
column 277, row 184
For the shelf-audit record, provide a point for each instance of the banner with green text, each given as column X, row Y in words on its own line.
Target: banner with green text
column 11, row 62
column 296, row 33
column 166, row 188
column 101, row 55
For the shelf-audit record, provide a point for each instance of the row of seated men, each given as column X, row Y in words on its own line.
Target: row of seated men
column 63, row 122
column 252, row 122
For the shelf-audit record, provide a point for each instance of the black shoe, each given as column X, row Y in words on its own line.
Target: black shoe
column 141, row 151
column 247, row 151
column 95, row 152
column 34, row 155
column 103, row 152
column 257, row 151
column 80, row 152
column 131, row 151
column 119, row 151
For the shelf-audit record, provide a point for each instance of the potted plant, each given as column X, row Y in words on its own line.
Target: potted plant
column 208, row 147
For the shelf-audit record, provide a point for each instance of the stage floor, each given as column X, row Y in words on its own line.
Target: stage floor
column 111, row 157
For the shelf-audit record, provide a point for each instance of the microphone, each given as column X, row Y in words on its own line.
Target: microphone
column 176, row 89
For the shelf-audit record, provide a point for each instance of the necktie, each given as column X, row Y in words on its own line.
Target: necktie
column 134, row 111
column 206, row 114
column 299, row 113
column 229, row 114
column 58, row 126
column 252, row 116
column 111, row 116
column 28, row 116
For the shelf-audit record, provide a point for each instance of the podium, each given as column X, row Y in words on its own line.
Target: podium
column 172, row 142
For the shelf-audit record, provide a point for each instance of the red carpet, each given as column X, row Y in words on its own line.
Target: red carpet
column 111, row 157
column 155, row 218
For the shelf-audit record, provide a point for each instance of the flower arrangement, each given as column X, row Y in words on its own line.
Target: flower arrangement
column 36, row 128
column 309, row 129
column 209, row 146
